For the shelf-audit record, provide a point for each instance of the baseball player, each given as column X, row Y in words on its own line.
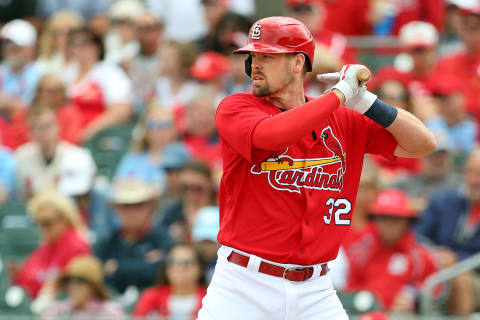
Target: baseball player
column 291, row 172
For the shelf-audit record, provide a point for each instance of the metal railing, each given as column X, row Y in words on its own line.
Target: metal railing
column 426, row 301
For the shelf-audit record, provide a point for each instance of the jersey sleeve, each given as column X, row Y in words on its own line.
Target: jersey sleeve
column 115, row 85
column 236, row 120
column 379, row 140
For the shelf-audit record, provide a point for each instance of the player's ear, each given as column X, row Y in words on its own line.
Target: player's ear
column 299, row 62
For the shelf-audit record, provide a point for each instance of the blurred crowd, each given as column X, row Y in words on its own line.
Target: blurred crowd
column 142, row 240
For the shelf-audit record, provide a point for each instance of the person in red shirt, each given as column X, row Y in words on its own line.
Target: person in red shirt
column 291, row 167
column 180, row 288
column 465, row 64
column 387, row 259
column 51, row 93
column 63, row 235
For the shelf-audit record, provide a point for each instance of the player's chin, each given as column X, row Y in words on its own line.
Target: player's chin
column 262, row 91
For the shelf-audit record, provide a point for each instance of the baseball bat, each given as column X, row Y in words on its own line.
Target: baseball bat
column 363, row 75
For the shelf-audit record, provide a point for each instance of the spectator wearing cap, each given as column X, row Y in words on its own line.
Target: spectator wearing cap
column 77, row 180
column 144, row 67
column 197, row 191
column 38, row 162
column 204, row 236
column 180, row 287
column 63, row 236
column 120, row 41
column 87, row 296
column 53, row 56
column 131, row 255
column 175, row 86
column 18, row 74
column 213, row 11
column 387, row 260
column 211, row 68
column 436, row 174
column 452, row 222
column 51, row 93
column 465, row 64
column 101, row 91
column 154, row 141
column 453, row 118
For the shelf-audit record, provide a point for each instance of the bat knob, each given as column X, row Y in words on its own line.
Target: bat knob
column 363, row 75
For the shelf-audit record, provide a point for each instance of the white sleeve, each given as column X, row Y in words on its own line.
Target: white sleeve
column 115, row 84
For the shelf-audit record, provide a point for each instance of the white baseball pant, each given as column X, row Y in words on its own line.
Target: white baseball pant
column 238, row 293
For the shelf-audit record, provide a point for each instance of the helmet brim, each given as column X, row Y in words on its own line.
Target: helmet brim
column 262, row 48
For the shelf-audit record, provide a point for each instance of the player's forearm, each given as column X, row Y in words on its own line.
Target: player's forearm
column 288, row 127
column 414, row 139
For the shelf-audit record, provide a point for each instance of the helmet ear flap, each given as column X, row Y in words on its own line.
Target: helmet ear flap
column 248, row 66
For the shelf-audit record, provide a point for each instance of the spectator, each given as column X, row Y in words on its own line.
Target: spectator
column 154, row 140
column 132, row 254
column 7, row 175
column 50, row 93
column 121, row 44
column 77, row 174
column 101, row 91
column 204, row 235
column 200, row 134
column 465, row 64
column 144, row 67
column 451, row 222
column 197, row 192
column 387, row 260
column 174, row 86
column 87, row 295
column 18, row 74
column 453, row 117
column 53, row 55
column 436, row 174
column 211, row 68
column 453, row 215
column 180, row 287
column 38, row 162
column 63, row 236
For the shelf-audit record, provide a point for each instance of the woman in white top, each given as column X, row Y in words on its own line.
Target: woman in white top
column 102, row 91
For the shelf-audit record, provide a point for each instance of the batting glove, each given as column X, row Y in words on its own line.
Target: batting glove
column 362, row 100
column 348, row 84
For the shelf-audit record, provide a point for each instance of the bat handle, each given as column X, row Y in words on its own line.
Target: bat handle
column 363, row 75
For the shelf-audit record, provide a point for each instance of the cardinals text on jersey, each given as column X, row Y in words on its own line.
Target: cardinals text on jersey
column 324, row 173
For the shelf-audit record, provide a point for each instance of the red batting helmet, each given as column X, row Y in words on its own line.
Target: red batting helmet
column 279, row 35
column 393, row 203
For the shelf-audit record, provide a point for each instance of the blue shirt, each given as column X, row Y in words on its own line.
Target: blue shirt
column 21, row 84
column 444, row 223
column 7, row 170
column 462, row 136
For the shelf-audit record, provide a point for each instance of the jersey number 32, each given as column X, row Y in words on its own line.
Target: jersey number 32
column 337, row 208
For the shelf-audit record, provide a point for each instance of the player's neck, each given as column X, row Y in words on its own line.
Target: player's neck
column 289, row 97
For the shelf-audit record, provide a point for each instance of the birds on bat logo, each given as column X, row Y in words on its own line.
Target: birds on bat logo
column 285, row 173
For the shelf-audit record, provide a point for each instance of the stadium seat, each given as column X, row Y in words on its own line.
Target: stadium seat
column 108, row 147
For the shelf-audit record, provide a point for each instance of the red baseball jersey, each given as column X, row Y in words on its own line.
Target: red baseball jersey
column 292, row 205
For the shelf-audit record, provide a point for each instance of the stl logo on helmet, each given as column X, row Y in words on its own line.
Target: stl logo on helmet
column 324, row 172
column 256, row 32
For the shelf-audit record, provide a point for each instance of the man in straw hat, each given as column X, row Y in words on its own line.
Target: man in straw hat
column 132, row 254
column 85, row 288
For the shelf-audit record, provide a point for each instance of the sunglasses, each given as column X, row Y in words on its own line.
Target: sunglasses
column 184, row 263
column 195, row 188
column 75, row 280
column 154, row 125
